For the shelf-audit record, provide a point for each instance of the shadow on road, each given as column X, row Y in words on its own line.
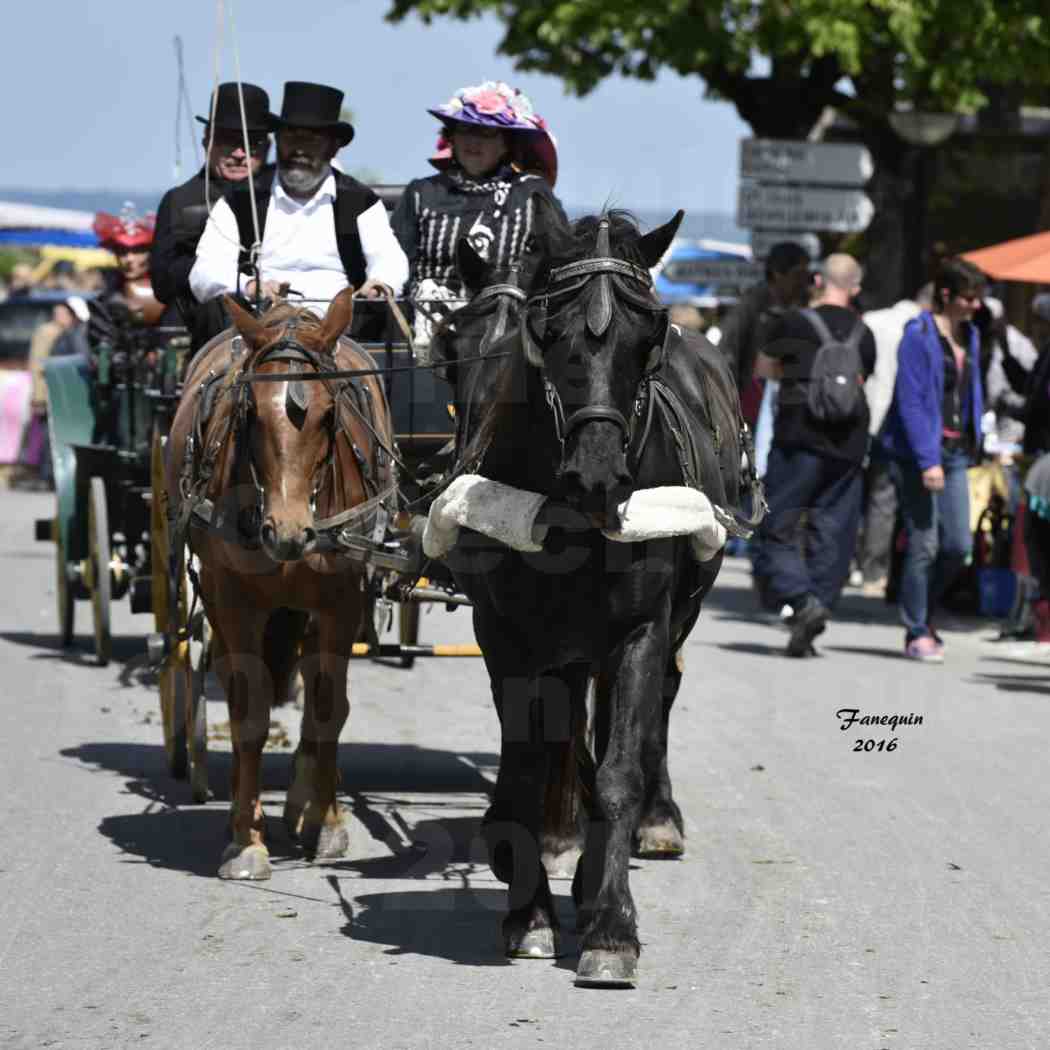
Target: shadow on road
column 1015, row 683
column 459, row 923
column 171, row 833
column 752, row 648
column 881, row 652
column 128, row 653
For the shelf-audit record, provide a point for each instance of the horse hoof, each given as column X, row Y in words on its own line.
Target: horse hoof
column 562, row 865
column 245, row 862
column 605, row 969
column 541, row 943
column 659, row 842
column 323, row 842
column 332, row 843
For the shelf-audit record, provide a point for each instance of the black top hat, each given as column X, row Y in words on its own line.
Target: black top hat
column 313, row 106
column 228, row 108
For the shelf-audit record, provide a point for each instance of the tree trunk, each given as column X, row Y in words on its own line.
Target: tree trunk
column 895, row 266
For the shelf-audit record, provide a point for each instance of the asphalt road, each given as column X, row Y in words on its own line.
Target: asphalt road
column 829, row 898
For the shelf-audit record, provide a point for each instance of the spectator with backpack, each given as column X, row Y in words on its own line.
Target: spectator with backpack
column 932, row 434
column 822, row 356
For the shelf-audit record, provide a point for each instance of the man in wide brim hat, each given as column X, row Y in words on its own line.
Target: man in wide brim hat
column 183, row 211
column 319, row 229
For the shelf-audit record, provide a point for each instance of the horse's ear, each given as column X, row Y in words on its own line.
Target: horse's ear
column 253, row 330
column 337, row 320
column 472, row 268
column 653, row 245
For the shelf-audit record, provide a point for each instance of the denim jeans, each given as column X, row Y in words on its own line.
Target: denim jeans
column 807, row 538
column 937, row 525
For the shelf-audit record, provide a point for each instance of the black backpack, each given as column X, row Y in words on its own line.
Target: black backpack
column 833, row 389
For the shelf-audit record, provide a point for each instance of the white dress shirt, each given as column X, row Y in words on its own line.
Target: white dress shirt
column 298, row 247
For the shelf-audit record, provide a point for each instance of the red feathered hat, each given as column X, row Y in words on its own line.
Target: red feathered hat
column 126, row 230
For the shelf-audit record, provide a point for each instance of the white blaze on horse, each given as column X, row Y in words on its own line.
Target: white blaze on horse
column 261, row 473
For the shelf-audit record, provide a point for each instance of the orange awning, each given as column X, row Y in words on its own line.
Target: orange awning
column 1023, row 259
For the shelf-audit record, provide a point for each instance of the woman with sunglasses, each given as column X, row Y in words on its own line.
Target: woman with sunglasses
column 932, row 433
column 494, row 155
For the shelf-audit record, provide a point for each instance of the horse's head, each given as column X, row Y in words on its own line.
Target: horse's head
column 291, row 426
column 492, row 312
column 474, row 330
column 593, row 330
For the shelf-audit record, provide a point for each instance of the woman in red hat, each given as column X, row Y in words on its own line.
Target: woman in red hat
column 129, row 237
column 495, row 154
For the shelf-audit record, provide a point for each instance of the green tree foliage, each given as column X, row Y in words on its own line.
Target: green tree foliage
column 782, row 62
column 860, row 56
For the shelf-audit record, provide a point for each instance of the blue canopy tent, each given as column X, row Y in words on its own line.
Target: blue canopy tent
column 31, row 226
column 704, row 273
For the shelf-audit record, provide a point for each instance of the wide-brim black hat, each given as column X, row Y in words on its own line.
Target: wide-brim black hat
column 315, row 106
column 228, row 108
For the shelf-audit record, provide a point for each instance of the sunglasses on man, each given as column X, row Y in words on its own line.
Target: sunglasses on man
column 229, row 141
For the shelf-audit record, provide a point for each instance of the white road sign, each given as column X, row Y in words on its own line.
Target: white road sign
column 812, row 163
column 792, row 208
column 763, row 240
column 712, row 271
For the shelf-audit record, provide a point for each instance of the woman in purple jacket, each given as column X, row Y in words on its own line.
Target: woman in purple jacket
column 932, row 433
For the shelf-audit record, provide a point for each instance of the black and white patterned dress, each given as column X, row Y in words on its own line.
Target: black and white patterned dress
column 495, row 213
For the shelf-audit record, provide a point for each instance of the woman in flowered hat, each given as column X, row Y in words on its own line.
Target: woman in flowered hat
column 494, row 154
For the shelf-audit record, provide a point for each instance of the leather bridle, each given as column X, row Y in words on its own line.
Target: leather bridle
column 571, row 279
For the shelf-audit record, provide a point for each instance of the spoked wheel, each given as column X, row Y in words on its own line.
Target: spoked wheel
column 169, row 609
column 197, row 712
column 99, row 569
column 63, row 592
column 408, row 628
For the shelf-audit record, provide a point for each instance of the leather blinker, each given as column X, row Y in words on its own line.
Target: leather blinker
column 296, row 403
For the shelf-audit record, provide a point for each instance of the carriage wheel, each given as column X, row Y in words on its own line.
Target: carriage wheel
column 408, row 628
column 98, row 571
column 197, row 713
column 175, row 674
column 63, row 592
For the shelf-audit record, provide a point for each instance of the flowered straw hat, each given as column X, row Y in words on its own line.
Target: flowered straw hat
column 126, row 230
column 498, row 105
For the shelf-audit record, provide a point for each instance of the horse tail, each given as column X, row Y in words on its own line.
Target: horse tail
column 569, row 794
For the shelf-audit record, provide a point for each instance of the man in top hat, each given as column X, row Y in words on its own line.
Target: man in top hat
column 320, row 230
column 183, row 210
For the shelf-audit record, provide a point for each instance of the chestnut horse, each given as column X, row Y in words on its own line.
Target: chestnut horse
column 261, row 473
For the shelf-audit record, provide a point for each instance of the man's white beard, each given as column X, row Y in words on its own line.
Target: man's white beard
column 300, row 181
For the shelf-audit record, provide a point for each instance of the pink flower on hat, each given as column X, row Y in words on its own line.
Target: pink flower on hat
column 489, row 102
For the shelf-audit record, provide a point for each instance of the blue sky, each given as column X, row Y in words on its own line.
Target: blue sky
column 89, row 95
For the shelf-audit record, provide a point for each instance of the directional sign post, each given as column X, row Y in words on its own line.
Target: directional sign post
column 712, row 271
column 809, row 163
column 803, row 207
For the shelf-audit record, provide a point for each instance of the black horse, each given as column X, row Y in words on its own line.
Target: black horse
column 592, row 397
